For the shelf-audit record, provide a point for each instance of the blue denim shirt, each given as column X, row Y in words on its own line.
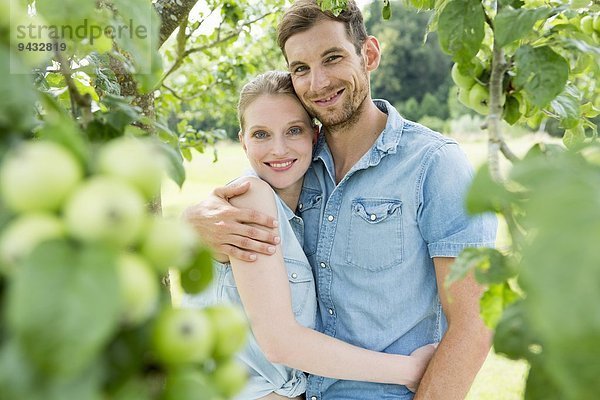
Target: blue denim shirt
column 371, row 238
column 264, row 376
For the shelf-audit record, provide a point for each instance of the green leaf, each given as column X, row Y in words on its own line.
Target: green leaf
column 122, row 112
column 511, row 24
column 541, row 72
column 559, row 268
column 511, row 3
column 574, row 137
column 494, row 301
column 64, row 306
column 566, row 106
column 511, row 112
column 461, row 29
column 513, row 336
column 333, row 6
column 175, row 169
column 386, row 11
column 141, row 37
column 486, row 194
column 489, row 262
column 18, row 97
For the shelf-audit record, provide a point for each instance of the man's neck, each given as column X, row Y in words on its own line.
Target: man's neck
column 348, row 143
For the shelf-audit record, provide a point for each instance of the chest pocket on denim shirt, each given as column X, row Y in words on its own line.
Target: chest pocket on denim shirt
column 375, row 240
column 310, row 211
column 300, row 279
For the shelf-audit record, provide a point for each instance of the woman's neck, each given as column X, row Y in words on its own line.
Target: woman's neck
column 291, row 195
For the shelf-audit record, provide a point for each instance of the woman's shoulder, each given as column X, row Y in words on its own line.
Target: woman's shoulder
column 260, row 195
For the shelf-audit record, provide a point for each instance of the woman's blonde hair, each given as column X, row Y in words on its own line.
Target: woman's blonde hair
column 268, row 83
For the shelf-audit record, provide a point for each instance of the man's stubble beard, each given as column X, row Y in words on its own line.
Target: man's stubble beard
column 351, row 111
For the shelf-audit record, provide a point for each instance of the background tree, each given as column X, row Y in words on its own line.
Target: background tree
column 413, row 65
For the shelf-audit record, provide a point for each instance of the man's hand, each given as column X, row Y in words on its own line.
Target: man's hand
column 231, row 231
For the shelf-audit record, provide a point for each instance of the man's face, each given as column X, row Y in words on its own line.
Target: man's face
column 329, row 77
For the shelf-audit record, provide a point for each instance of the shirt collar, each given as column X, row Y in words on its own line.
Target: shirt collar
column 387, row 142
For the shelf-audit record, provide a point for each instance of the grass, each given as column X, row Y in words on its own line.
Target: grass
column 499, row 378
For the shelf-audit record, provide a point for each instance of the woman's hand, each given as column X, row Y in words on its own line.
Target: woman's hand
column 421, row 356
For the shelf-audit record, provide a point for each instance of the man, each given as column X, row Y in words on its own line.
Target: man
column 383, row 216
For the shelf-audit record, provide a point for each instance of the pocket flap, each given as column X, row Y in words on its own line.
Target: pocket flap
column 375, row 210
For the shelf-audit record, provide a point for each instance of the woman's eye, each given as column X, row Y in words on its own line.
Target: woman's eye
column 295, row 130
column 259, row 134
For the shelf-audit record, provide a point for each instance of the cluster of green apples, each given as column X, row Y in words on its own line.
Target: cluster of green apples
column 53, row 195
column 590, row 24
column 473, row 92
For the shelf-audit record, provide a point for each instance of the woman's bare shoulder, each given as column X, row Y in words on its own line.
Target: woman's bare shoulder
column 259, row 196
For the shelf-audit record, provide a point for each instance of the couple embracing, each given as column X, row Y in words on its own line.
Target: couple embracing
column 338, row 245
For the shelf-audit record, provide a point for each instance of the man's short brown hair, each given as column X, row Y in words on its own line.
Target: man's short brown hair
column 304, row 14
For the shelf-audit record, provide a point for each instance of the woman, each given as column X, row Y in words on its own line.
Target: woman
column 277, row 291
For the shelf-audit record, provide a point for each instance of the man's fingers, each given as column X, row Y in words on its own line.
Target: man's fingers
column 235, row 252
column 246, row 244
column 229, row 191
column 250, row 216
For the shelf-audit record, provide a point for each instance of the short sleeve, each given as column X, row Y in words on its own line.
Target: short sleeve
column 444, row 223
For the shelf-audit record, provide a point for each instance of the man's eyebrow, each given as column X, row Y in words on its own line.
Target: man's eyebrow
column 323, row 54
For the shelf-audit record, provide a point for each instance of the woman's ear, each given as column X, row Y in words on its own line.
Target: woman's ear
column 241, row 138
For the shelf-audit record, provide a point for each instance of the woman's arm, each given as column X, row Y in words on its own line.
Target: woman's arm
column 265, row 292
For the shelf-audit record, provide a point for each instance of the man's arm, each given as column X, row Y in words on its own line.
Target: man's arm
column 227, row 230
column 465, row 345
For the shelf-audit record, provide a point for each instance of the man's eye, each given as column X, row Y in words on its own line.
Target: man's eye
column 332, row 58
column 300, row 69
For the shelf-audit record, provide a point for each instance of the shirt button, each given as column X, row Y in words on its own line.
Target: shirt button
column 330, row 218
column 294, row 275
column 323, row 265
column 313, row 398
column 330, row 311
column 373, row 217
column 300, row 206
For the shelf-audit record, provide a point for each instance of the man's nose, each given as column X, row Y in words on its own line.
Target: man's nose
column 319, row 79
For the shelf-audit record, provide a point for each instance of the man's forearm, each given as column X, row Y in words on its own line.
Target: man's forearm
column 456, row 362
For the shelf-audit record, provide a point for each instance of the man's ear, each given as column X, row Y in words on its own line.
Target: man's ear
column 371, row 53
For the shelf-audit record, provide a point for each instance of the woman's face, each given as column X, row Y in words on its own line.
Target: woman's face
column 278, row 139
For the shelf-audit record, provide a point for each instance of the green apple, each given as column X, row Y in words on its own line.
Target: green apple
column 169, row 243
column 183, row 336
column 25, row 233
column 187, row 383
column 137, row 161
column 38, row 176
column 231, row 328
column 461, row 80
column 139, row 288
column 479, row 97
column 463, row 97
column 230, row 377
column 596, row 23
column 105, row 209
column 587, row 24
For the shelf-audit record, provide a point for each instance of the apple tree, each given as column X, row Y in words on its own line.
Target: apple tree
column 523, row 61
column 84, row 145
